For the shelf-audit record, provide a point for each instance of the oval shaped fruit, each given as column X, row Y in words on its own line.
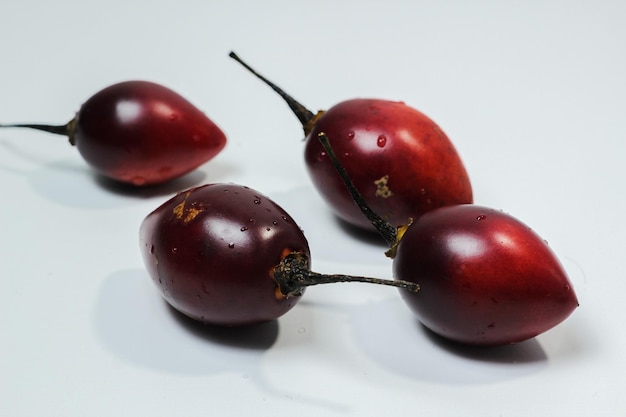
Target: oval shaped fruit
column 141, row 133
column 228, row 255
column 486, row 278
column 212, row 251
column 403, row 164
column 401, row 160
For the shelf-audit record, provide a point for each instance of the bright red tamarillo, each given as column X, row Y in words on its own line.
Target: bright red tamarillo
column 140, row 133
column 486, row 278
column 225, row 254
column 401, row 160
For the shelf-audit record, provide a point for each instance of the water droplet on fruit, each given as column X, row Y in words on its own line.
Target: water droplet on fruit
column 274, row 222
column 368, row 128
column 350, row 135
column 381, row 141
column 267, row 229
column 173, row 116
column 152, row 249
column 231, row 245
column 321, row 156
column 285, row 218
column 481, row 217
column 196, row 138
column 174, row 250
column 423, row 191
column 257, row 201
column 244, row 228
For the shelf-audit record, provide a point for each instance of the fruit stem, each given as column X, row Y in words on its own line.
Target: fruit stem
column 65, row 130
column 293, row 274
column 59, row 130
column 388, row 232
column 304, row 115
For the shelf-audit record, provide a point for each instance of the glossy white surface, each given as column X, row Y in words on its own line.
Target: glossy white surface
column 532, row 94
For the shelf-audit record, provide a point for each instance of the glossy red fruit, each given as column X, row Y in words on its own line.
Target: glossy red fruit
column 401, row 161
column 140, row 133
column 228, row 255
column 486, row 278
column 211, row 251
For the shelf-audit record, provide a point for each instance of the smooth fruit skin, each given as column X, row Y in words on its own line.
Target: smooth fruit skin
column 403, row 164
column 211, row 251
column 143, row 133
column 485, row 277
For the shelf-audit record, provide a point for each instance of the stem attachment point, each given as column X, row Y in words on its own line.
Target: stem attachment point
column 292, row 275
column 64, row 130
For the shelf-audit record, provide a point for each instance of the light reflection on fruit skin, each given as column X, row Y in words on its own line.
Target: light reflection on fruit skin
column 486, row 278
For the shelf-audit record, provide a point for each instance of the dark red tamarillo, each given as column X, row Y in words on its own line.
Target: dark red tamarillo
column 402, row 162
column 140, row 133
column 228, row 255
column 485, row 277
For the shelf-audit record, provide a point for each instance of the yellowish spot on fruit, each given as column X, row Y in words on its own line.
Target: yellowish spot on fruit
column 279, row 294
column 284, row 253
column 382, row 187
column 179, row 210
column 184, row 213
column 191, row 214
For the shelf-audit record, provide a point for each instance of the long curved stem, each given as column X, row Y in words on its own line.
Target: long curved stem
column 384, row 228
column 303, row 114
column 293, row 274
column 58, row 129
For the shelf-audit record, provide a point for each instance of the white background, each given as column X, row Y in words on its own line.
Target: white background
column 533, row 94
